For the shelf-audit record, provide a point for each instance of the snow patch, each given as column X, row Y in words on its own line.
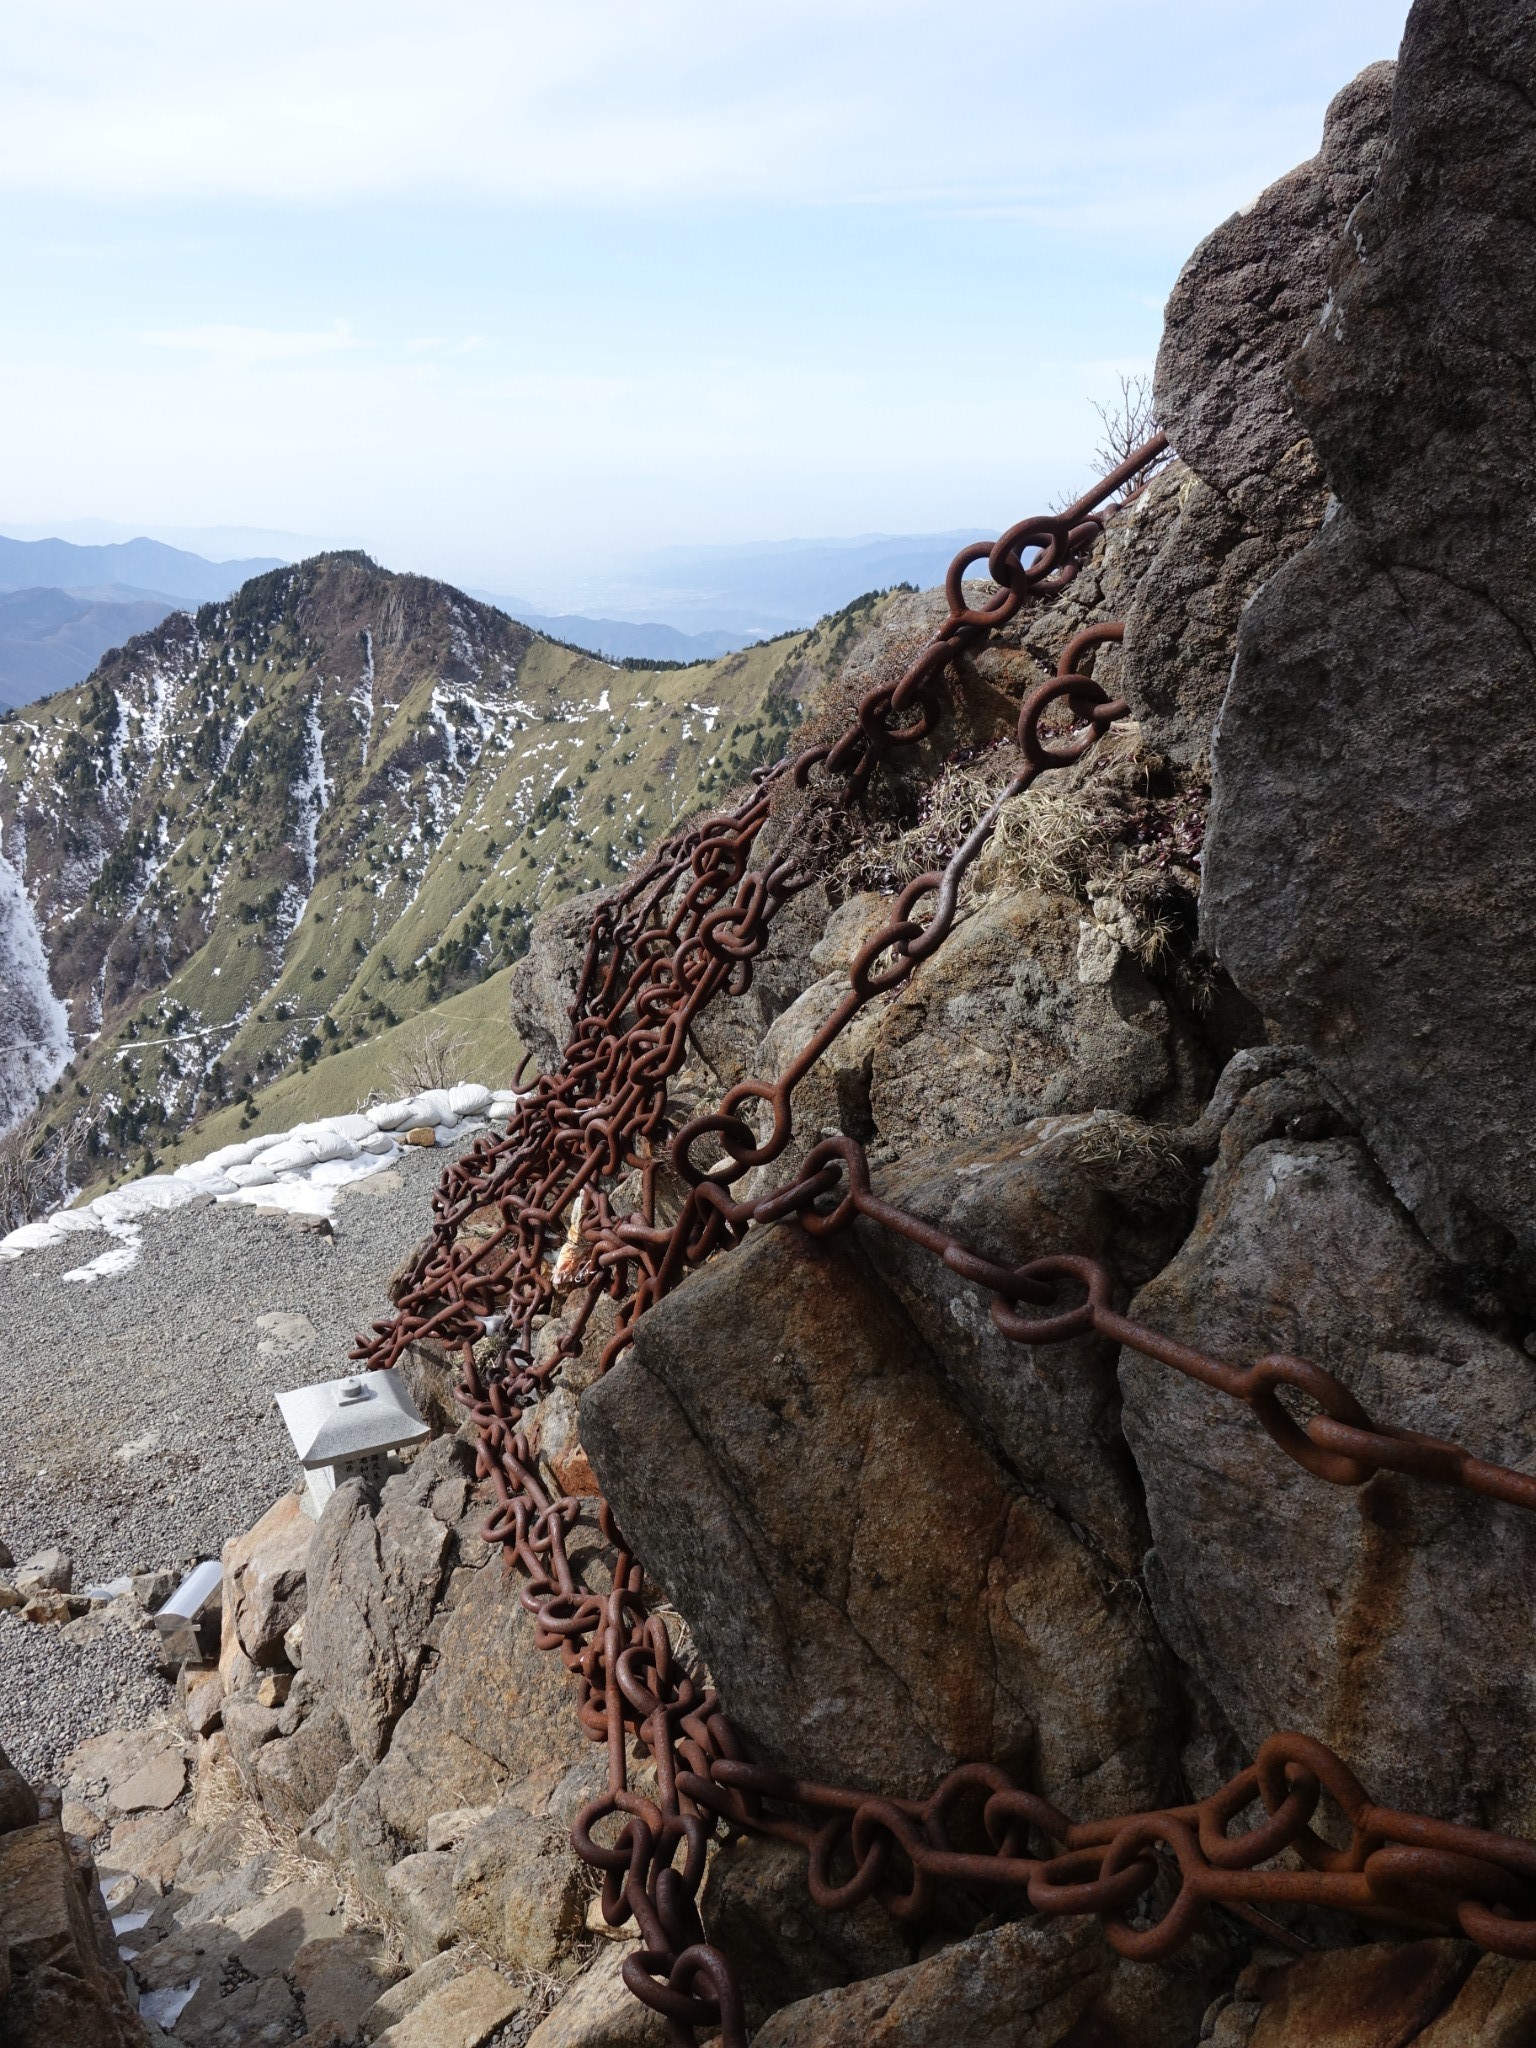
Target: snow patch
column 299, row 1170
column 35, row 1045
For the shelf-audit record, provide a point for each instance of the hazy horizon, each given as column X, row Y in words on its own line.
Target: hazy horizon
column 504, row 299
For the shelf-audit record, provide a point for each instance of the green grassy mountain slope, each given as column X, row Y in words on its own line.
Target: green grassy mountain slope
column 258, row 837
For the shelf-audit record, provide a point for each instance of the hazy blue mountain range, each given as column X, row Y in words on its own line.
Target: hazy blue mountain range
column 146, row 567
column 213, row 543
column 50, row 639
column 621, row 639
column 72, row 602
column 756, row 589
column 62, row 605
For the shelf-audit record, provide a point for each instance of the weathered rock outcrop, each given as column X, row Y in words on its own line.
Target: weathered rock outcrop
column 543, row 983
column 1030, row 1984
column 1370, row 874
column 874, row 1591
column 1417, row 1994
column 1242, row 307
column 1099, row 1185
column 375, row 1569
column 1020, row 1015
column 264, row 1583
column 1365, row 1617
column 1252, row 492
column 59, row 1978
column 492, row 1726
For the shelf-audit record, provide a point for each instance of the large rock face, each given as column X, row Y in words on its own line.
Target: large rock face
column 1099, row 1185
column 1251, row 491
column 59, row 1978
column 875, row 1594
column 1388, row 1620
column 375, row 1568
column 494, row 1716
column 1370, row 872
column 1417, row 1994
column 1242, row 305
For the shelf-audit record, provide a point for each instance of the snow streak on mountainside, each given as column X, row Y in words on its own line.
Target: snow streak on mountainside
column 264, row 833
column 34, row 1025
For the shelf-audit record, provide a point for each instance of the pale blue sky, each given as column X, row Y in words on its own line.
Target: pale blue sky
column 498, row 288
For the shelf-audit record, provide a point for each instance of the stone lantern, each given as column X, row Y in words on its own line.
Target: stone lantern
column 346, row 1429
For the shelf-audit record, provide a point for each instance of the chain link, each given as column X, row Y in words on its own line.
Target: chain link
column 680, row 933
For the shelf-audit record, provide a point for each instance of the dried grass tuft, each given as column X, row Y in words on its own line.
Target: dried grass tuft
column 1141, row 1164
column 1054, row 837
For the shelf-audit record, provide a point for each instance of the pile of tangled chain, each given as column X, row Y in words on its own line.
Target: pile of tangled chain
column 680, row 932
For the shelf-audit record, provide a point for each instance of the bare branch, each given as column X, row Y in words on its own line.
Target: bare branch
column 1127, row 423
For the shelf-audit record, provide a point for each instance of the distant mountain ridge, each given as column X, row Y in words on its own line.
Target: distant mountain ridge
column 621, row 639
column 756, row 589
column 62, row 605
column 270, row 830
column 147, row 566
column 678, row 604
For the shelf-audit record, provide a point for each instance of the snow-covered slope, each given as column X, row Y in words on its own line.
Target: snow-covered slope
column 34, row 1025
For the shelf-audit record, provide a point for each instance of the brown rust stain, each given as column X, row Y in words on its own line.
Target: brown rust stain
column 1368, row 1626
column 1382, row 1996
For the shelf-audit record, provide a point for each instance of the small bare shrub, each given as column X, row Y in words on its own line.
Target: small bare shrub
column 40, row 1169
column 1126, row 424
column 433, row 1057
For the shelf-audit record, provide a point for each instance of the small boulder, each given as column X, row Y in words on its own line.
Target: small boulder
column 249, row 1726
column 340, row 1976
column 202, row 1697
column 756, row 1904
column 420, row 1904
column 462, row 2013
column 264, row 1580
column 518, row 1888
column 410, row 1991
column 296, row 1773
column 54, row 1609
column 600, row 2011
column 1027, row 1985
column 1437, row 1994
column 50, row 1571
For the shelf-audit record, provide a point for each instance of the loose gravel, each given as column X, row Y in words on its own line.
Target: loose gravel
column 139, row 1425
column 54, row 1692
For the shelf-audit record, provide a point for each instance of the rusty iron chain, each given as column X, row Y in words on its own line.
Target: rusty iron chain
column 523, row 1217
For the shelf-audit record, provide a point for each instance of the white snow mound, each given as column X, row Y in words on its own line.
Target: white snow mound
column 298, row 1170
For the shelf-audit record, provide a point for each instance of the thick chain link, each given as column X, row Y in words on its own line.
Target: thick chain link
column 680, row 933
